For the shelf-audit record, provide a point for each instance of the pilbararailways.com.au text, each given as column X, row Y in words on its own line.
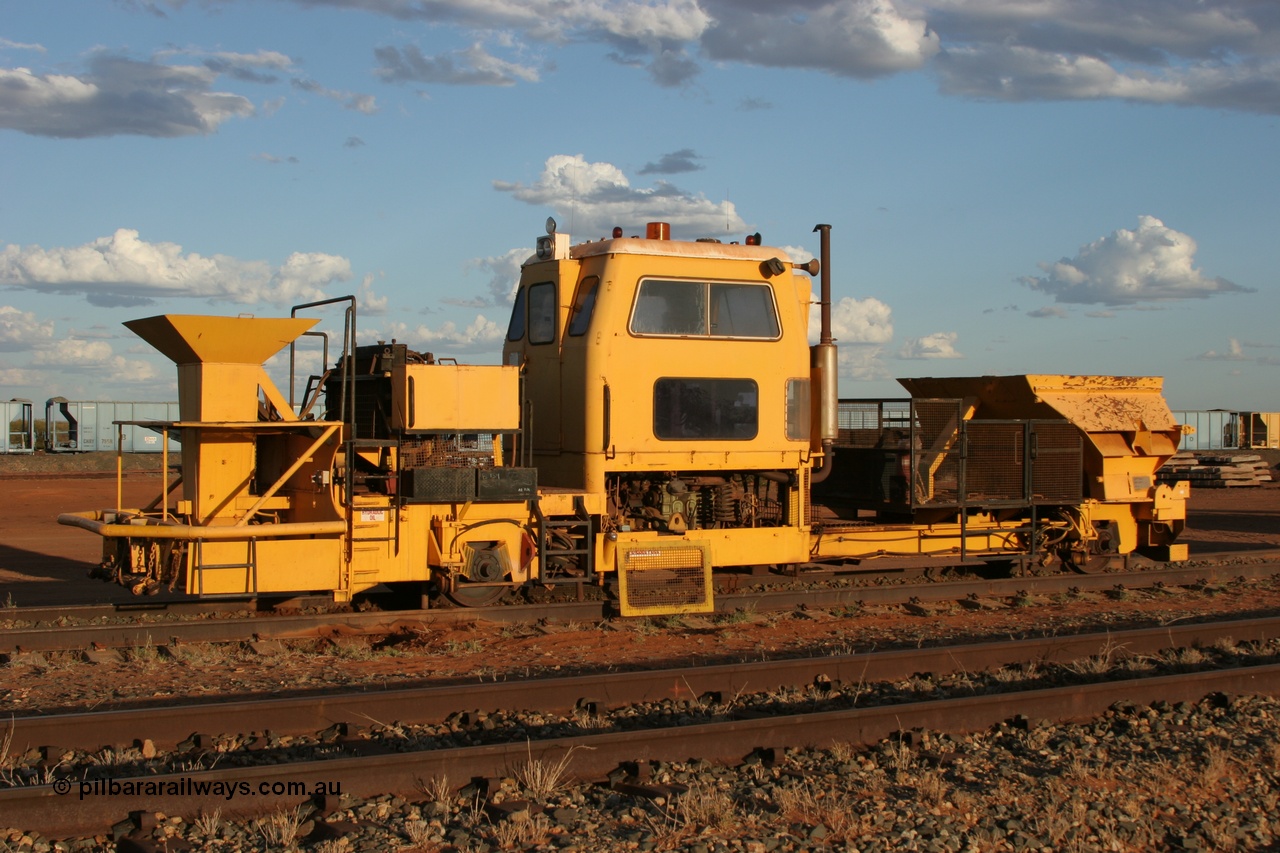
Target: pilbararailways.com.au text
column 186, row 786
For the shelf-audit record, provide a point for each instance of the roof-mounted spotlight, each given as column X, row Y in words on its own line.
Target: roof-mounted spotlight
column 554, row 245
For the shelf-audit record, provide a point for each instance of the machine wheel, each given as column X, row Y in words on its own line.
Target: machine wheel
column 1094, row 558
column 476, row 596
column 1087, row 563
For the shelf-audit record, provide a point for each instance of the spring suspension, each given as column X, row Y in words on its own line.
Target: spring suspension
column 726, row 507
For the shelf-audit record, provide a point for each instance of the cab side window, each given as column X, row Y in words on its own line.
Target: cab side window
column 515, row 329
column 583, row 305
column 542, row 313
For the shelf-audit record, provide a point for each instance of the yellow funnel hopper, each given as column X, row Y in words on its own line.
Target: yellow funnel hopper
column 220, row 372
column 192, row 338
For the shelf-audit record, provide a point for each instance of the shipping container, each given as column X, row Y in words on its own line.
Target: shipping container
column 81, row 426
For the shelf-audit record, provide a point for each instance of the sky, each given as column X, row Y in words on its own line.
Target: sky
column 1014, row 186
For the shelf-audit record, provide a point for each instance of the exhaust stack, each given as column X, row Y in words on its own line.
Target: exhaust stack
column 824, row 366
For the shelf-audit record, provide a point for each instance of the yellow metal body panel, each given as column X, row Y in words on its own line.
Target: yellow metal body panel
column 433, row 536
column 981, row 536
column 265, row 566
column 217, row 472
column 456, row 398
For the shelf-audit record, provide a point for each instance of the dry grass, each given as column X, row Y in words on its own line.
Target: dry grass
column 802, row 804
column 1185, row 657
column 521, row 830
column 542, row 778
column 706, row 807
column 279, row 829
column 7, row 764
column 438, row 789
column 418, row 832
column 208, row 824
column 932, row 787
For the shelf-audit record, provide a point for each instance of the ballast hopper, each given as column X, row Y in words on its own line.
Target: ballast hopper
column 1129, row 433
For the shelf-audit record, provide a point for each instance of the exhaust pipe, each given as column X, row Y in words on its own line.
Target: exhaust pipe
column 824, row 365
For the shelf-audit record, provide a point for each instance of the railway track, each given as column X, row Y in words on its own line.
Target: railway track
column 728, row 731
column 98, row 627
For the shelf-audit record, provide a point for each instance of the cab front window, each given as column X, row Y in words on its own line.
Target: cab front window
column 705, row 309
column 687, row 408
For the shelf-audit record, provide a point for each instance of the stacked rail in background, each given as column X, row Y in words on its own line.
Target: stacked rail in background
column 1216, row 471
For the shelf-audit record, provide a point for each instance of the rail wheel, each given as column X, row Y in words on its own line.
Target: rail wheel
column 466, row 595
column 1093, row 556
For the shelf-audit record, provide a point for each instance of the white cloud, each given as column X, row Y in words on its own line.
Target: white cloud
column 117, row 96
column 504, row 274
column 473, row 66
column 72, row 352
column 862, row 364
column 123, row 269
column 553, row 20
column 859, row 326
column 854, row 38
column 1235, row 352
column 6, row 44
column 1018, row 73
column 937, row 345
column 658, row 30
column 854, row 321
column 1152, row 263
column 70, row 364
column 1049, row 311
column 354, row 101
column 368, row 302
column 1220, row 54
column 598, row 196
column 21, row 377
column 20, row 330
column 481, row 334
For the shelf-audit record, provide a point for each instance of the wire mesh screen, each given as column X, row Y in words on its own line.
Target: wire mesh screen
column 1057, row 469
column 471, row 450
column 864, row 423
column 936, row 443
column 995, row 471
column 900, row 455
column 666, row 579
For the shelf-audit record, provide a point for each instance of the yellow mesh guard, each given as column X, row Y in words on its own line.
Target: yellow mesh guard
column 663, row 579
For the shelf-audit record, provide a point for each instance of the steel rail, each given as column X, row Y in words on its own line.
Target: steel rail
column 68, row 809
column 297, row 626
column 178, row 605
column 307, row 714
